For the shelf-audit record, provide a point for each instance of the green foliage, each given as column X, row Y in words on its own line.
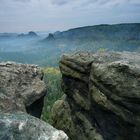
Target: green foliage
column 52, row 79
column 101, row 51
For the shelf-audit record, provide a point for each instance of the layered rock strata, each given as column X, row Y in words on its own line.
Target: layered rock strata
column 102, row 96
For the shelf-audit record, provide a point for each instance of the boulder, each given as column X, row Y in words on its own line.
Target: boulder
column 22, row 91
column 102, row 96
column 20, row 126
column 21, row 88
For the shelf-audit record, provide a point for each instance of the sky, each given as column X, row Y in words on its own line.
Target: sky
column 58, row 15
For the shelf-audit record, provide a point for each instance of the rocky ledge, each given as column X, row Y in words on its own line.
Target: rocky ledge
column 22, row 91
column 102, row 96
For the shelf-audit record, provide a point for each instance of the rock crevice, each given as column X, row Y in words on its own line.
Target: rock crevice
column 22, row 91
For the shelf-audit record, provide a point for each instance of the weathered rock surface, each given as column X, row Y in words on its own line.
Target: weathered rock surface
column 102, row 96
column 20, row 126
column 22, row 91
column 20, row 87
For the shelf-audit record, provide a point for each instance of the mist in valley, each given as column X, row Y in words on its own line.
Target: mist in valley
column 46, row 49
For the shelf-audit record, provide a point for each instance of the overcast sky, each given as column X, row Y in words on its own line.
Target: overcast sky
column 52, row 15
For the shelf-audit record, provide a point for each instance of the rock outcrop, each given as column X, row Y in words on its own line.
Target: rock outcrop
column 102, row 96
column 30, row 34
column 22, row 91
column 50, row 37
column 21, row 86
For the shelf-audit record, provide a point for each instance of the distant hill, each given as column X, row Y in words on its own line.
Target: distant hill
column 8, row 35
column 116, row 37
column 129, row 31
column 30, row 34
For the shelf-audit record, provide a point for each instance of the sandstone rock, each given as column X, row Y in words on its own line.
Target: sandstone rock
column 103, row 94
column 21, row 86
column 61, row 115
column 20, row 126
column 22, row 91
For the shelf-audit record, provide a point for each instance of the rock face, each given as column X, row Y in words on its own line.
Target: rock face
column 22, row 91
column 21, row 86
column 102, row 96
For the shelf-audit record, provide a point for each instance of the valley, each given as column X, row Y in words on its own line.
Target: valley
column 46, row 51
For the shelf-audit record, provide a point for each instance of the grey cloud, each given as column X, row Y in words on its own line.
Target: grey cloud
column 20, row 15
column 103, row 2
column 60, row 2
column 22, row 0
column 97, row 1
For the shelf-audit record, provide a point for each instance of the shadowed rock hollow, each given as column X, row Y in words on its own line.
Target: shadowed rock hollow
column 22, row 91
column 102, row 96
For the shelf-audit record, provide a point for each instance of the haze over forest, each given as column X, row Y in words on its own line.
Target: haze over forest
column 41, row 31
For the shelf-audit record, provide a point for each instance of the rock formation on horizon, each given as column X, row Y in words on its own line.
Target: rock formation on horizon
column 22, row 91
column 50, row 37
column 102, row 96
column 29, row 34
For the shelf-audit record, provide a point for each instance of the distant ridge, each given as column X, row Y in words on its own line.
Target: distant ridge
column 15, row 35
column 103, row 31
column 123, row 24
